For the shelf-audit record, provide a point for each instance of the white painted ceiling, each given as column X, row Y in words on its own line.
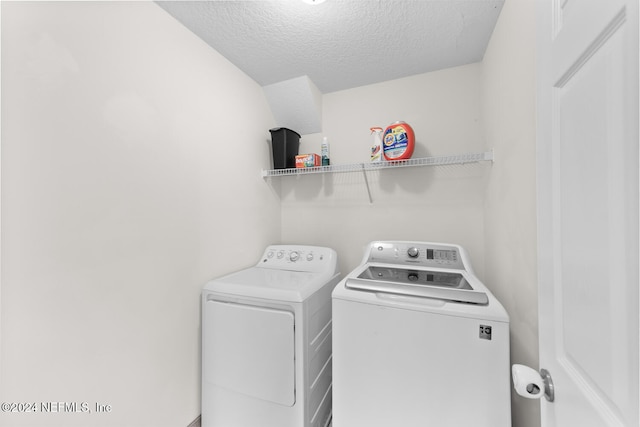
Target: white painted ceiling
column 341, row 44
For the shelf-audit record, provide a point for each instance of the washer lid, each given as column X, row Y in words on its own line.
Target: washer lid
column 443, row 285
column 266, row 283
column 444, row 279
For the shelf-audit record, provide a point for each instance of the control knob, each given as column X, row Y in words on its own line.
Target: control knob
column 413, row 252
column 294, row 256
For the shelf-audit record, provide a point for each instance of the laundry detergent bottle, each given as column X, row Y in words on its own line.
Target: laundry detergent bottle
column 398, row 141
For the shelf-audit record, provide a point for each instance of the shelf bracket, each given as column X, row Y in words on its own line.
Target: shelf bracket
column 366, row 181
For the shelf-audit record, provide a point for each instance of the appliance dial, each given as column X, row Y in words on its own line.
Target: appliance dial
column 309, row 257
column 294, row 256
column 280, row 254
column 413, row 252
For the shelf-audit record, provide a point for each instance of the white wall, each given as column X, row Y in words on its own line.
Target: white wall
column 130, row 175
column 431, row 204
column 508, row 94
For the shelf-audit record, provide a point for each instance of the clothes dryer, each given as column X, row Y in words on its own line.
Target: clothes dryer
column 266, row 341
column 418, row 341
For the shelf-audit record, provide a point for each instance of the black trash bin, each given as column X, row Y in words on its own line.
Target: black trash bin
column 284, row 144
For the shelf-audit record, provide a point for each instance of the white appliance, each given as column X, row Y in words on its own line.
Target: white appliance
column 266, row 341
column 418, row 340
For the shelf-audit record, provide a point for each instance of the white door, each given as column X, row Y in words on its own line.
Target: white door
column 588, row 210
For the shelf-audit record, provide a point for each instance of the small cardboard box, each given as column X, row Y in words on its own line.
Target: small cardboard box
column 307, row 160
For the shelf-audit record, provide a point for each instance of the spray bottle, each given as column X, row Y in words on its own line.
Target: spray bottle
column 376, row 148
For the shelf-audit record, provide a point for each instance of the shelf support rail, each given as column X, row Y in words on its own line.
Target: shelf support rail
column 366, row 181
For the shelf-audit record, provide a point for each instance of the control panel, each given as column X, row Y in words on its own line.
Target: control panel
column 297, row 258
column 418, row 253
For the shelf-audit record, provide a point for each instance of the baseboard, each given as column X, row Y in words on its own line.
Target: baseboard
column 195, row 423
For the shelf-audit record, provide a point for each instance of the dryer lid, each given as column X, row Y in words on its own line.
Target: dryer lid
column 265, row 283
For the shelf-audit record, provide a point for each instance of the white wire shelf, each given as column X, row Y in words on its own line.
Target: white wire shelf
column 458, row 159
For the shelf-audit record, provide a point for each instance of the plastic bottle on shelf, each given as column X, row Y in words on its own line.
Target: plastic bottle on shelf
column 399, row 141
column 376, row 147
column 324, row 152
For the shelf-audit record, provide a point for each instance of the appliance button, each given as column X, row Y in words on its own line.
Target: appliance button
column 294, row 256
column 270, row 254
column 280, row 254
column 413, row 252
column 309, row 257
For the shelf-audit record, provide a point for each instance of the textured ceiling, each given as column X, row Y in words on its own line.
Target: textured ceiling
column 341, row 44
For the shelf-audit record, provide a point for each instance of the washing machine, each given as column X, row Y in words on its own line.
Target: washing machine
column 418, row 340
column 266, row 341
